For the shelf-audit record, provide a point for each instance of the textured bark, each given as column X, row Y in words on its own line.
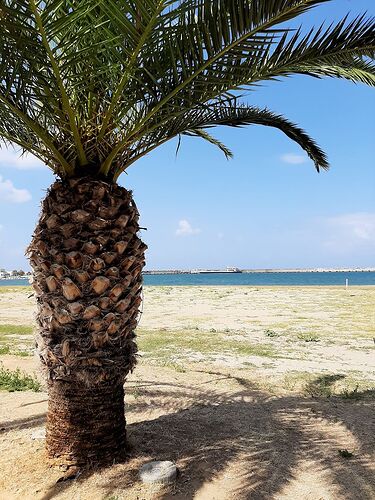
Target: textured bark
column 85, row 425
column 87, row 261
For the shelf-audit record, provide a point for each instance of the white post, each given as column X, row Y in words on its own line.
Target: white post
column 346, row 283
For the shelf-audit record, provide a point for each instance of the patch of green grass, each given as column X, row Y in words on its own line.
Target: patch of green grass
column 12, row 289
column 295, row 380
column 175, row 366
column 8, row 349
column 16, row 329
column 328, row 385
column 308, row 337
column 10, row 339
column 136, row 393
column 322, row 386
column 246, row 349
column 165, row 344
column 15, row 380
column 351, row 393
column 21, row 353
column 271, row 333
column 12, row 347
column 285, row 325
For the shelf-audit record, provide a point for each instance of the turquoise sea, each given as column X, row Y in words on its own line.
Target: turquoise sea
column 251, row 279
column 262, row 279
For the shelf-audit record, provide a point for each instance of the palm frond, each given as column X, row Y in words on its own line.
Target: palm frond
column 195, row 122
column 248, row 115
column 212, row 140
column 91, row 86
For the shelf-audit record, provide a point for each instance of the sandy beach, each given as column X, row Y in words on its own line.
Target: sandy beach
column 255, row 392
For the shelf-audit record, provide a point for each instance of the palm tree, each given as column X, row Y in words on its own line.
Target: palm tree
column 91, row 86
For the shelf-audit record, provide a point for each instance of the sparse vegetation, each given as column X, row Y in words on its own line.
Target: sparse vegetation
column 18, row 289
column 322, row 386
column 308, row 337
column 238, row 342
column 351, row 393
column 165, row 346
column 15, row 329
column 271, row 333
column 345, row 453
column 21, row 353
column 16, row 339
column 175, row 366
column 329, row 385
column 15, row 380
column 14, row 349
column 136, row 392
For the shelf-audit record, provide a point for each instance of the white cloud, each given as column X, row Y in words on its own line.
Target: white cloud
column 186, row 229
column 11, row 194
column 294, row 159
column 12, row 158
column 358, row 226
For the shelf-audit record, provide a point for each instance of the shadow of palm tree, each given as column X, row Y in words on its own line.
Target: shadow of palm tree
column 257, row 440
column 23, row 423
column 243, row 437
column 322, row 385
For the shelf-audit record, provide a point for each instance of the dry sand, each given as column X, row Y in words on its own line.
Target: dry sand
column 238, row 426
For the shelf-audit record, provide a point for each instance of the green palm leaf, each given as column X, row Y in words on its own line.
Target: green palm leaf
column 91, row 86
column 244, row 115
column 196, row 121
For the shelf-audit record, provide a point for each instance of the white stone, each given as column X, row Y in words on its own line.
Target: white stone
column 39, row 434
column 158, row 472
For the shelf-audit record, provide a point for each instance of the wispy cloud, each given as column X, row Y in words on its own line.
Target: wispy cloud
column 186, row 229
column 294, row 159
column 12, row 158
column 11, row 194
column 355, row 227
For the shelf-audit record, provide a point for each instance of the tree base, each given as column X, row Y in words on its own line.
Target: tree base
column 85, row 425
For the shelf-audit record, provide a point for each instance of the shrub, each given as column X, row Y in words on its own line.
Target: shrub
column 308, row 337
column 15, row 380
column 271, row 333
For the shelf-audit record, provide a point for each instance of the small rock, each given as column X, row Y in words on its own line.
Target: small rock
column 158, row 472
column 71, row 474
column 39, row 434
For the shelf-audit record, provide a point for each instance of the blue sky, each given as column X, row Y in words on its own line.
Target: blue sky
column 265, row 208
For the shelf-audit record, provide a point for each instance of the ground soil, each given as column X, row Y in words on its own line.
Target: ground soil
column 234, row 432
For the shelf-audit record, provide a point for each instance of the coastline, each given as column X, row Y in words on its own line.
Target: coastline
column 250, row 271
column 240, row 271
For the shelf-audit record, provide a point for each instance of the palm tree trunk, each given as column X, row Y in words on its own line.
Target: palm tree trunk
column 85, row 424
column 87, row 261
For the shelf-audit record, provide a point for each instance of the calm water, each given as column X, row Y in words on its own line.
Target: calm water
column 14, row 282
column 257, row 279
